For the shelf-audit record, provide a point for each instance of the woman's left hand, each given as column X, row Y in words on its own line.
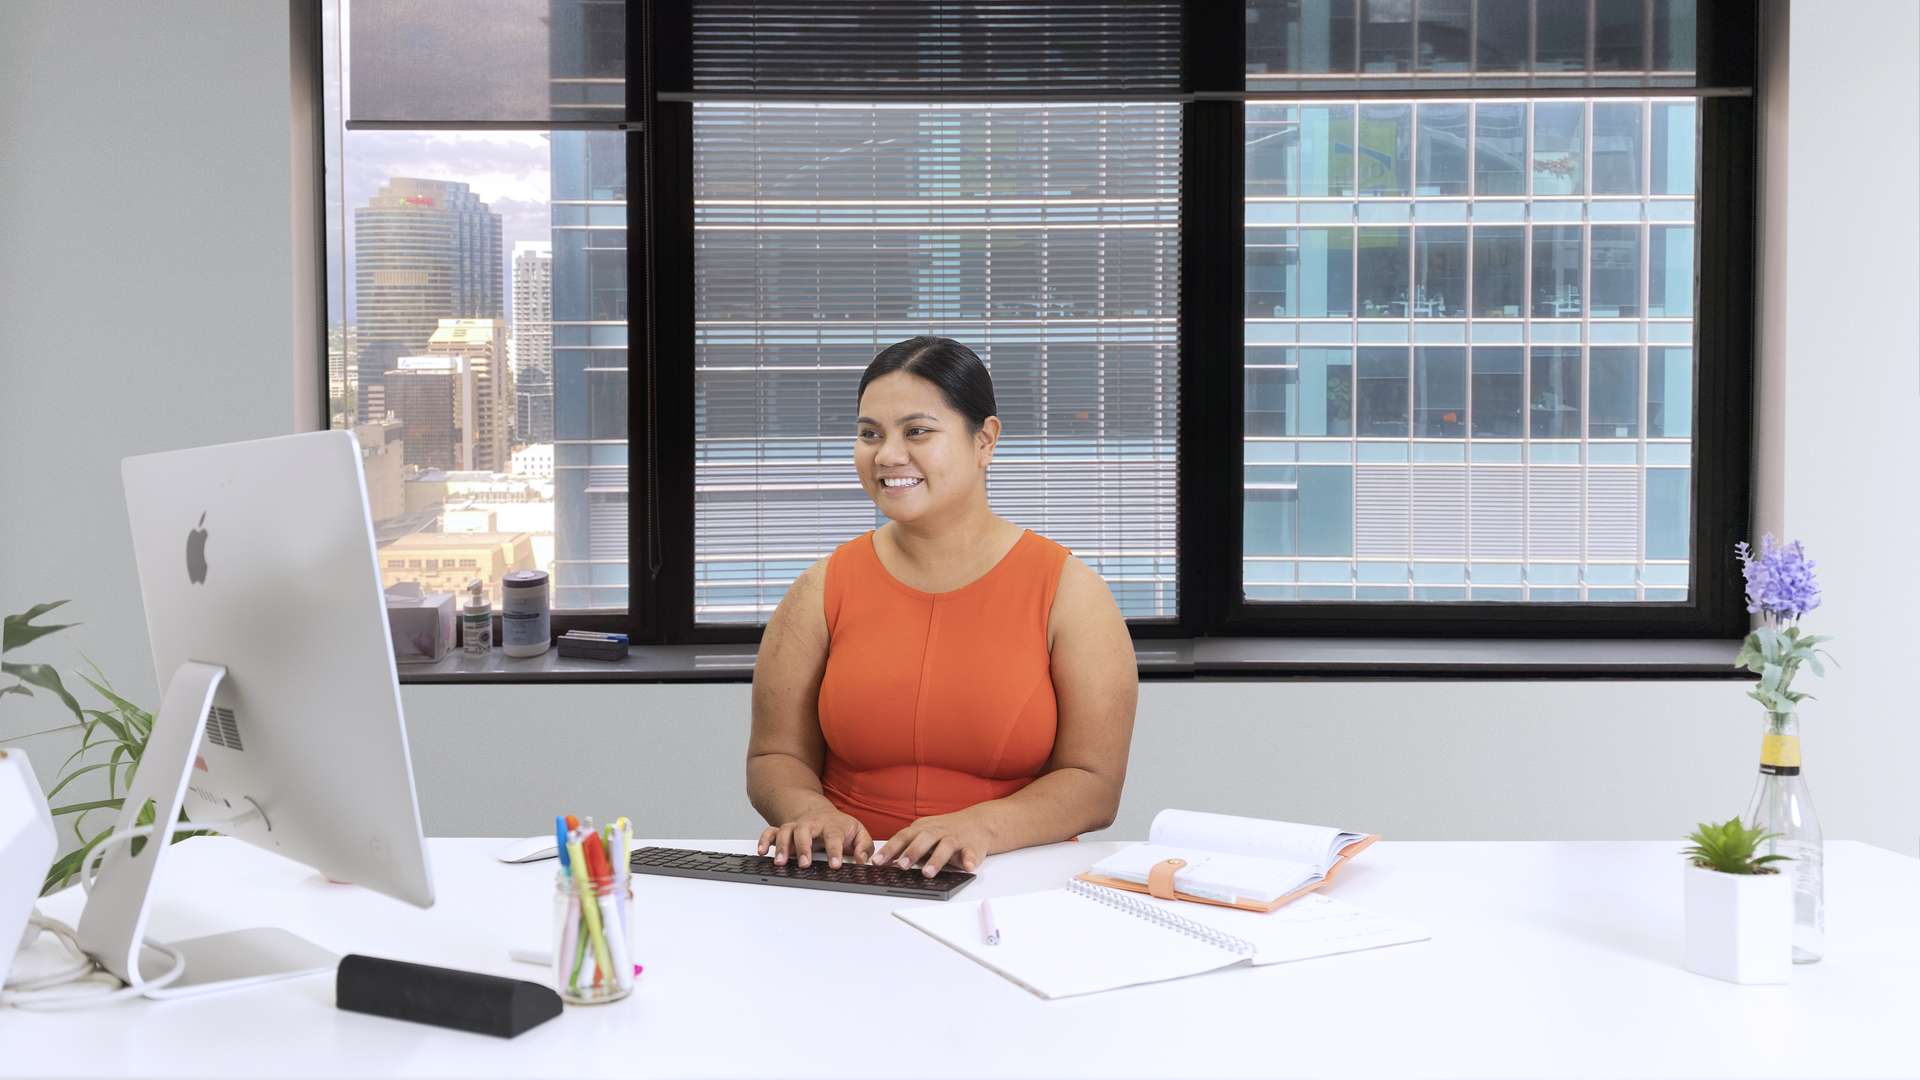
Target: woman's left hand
column 962, row 838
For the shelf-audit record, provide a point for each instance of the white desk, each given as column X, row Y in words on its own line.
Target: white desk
column 1547, row 959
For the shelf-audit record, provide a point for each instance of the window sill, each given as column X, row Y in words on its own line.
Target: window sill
column 1209, row 658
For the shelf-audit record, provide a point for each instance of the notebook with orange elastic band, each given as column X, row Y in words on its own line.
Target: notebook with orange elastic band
column 1251, row 864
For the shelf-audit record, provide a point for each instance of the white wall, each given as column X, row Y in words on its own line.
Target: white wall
column 1588, row 760
column 1846, row 378
column 142, row 219
column 146, row 255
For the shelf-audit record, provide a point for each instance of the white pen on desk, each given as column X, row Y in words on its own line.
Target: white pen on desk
column 989, row 930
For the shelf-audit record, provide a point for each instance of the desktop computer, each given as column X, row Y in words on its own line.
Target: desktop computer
column 280, row 720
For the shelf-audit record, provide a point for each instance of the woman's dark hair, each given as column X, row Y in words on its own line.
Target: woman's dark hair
column 947, row 364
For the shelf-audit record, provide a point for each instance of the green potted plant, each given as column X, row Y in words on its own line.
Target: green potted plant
column 1739, row 907
column 111, row 741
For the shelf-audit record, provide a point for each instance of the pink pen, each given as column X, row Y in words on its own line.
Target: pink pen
column 989, row 930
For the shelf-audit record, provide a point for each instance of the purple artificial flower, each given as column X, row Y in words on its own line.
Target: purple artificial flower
column 1780, row 583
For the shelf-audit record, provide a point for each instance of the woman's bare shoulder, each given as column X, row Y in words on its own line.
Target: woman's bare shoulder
column 801, row 613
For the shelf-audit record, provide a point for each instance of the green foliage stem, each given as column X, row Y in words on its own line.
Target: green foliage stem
column 1777, row 656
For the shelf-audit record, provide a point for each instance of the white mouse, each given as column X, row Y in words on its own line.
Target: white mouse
column 532, row 849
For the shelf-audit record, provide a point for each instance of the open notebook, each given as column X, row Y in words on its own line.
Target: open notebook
column 1238, row 861
column 1085, row 938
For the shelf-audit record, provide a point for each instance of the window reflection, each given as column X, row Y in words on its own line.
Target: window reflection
column 1615, row 274
column 1672, row 147
column 1555, row 406
column 1383, row 266
column 1613, row 398
column 1439, row 392
column 1556, row 272
column 1499, row 271
column 1443, row 150
column 1440, row 272
column 1559, row 129
column 1616, row 147
column 1446, row 34
column 1498, row 386
column 1382, row 392
column 1386, row 149
column 1300, row 150
column 1500, row 149
column 1670, row 271
column 1560, row 35
column 1669, row 392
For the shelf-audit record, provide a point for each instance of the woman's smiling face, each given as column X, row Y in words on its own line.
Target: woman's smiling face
column 916, row 454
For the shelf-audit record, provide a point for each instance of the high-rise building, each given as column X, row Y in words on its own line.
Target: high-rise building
column 423, row 250
column 435, row 400
column 478, row 342
column 382, row 461
column 590, row 371
column 532, row 345
column 343, row 373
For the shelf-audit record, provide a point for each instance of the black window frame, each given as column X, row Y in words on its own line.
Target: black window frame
column 658, row 122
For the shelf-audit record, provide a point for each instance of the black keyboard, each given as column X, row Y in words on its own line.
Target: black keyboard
column 762, row 870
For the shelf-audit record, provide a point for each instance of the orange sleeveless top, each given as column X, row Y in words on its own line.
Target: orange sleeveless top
column 933, row 702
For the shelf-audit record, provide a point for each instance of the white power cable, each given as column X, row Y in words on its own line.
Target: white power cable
column 83, row 983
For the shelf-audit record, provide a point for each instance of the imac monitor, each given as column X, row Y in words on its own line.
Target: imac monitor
column 280, row 717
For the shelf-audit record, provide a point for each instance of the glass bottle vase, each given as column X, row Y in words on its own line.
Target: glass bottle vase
column 1781, row 805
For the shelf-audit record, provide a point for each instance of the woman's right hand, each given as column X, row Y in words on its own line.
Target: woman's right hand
column 840, row 834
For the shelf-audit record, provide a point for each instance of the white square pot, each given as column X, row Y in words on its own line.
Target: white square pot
column 1739, row 926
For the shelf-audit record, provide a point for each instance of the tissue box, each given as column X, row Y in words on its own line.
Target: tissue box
column 422, row 624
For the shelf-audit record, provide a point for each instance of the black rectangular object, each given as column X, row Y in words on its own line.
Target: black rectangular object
column 762, row 870
column 466, row 1000
column 591, row 648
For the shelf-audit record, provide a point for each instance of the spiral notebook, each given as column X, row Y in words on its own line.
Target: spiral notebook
column 1086, row 938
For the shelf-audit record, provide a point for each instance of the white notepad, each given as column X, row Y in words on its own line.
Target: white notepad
column 1085, row 938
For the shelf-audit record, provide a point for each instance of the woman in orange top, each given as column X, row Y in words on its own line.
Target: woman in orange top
column 950, row 681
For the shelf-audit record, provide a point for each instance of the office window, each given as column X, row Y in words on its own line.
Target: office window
column 476, row 283
column 1439, row 392
column 1046, row 237
column 1470, row 365
column 1517, row 351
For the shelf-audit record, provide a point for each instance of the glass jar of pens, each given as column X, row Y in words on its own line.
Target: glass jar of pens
column 593, row 915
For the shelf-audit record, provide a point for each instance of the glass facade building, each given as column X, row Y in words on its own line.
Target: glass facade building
column 589, row 344
column 1469, row 364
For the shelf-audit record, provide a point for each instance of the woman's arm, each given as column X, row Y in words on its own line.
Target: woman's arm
column 1096, row 684
column 786, row 752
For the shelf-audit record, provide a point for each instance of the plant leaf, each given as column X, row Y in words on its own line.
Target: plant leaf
column 77, row 774
column 105, row 691
column 46, row 678
column 63, row 870
column 15, row 688
column 81, row 808
column 118, row 752
column 19, row 629
column 113, row 724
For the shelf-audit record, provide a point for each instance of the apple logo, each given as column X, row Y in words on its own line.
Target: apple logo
column 197, row 553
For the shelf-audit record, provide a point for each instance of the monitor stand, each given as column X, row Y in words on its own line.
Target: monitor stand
column 114, row 922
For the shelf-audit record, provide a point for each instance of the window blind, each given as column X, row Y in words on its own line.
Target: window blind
column 1335, row 45
column 1044, row 236
column 914, row 48
column 417, row 63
